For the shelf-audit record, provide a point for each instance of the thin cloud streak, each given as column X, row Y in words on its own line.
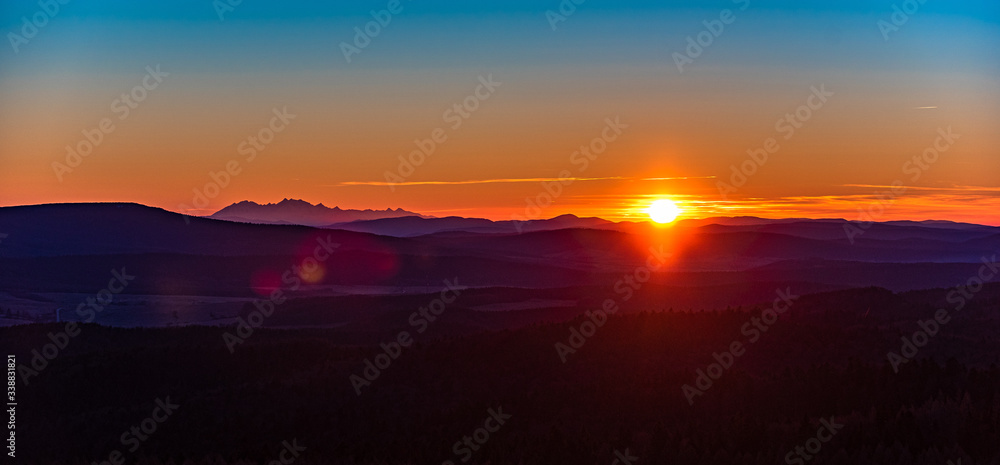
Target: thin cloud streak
column 679, row 178
column 956, row 189
column 508, row 180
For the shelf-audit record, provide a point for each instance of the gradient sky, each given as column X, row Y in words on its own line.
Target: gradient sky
column 608, row 59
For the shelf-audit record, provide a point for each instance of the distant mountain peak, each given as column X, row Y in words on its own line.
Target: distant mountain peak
column 297, row 211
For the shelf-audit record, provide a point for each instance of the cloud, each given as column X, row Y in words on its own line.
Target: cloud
column 982, row 190
column 507, row 180
column 680, row 178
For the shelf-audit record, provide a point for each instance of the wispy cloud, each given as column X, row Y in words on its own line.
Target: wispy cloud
column 681, row 178
column 953, row 189
column 507, row 181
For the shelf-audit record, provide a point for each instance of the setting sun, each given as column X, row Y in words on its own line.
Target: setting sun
column 663, row 211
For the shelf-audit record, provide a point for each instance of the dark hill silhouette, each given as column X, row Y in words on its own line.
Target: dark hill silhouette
column 417, row 226
column 834, row 230
column 123, row 228
column 51, row 250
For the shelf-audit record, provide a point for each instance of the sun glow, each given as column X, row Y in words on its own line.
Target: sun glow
column 663, row 211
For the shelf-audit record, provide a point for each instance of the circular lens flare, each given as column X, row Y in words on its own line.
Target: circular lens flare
column 663, row 211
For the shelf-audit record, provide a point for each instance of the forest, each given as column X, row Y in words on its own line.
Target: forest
column 821, row 364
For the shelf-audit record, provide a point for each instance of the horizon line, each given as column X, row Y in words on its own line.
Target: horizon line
column 422, row 215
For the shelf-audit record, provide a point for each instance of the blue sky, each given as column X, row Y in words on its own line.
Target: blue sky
column 261, row 36
column 195, row 10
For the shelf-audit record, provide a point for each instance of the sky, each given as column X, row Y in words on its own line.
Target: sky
column 875, row 110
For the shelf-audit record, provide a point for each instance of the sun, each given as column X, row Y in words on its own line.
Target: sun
column 663, row 211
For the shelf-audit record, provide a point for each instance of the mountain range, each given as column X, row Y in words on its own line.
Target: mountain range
column 402, row 223
column 205, row 269
column 293, row 211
